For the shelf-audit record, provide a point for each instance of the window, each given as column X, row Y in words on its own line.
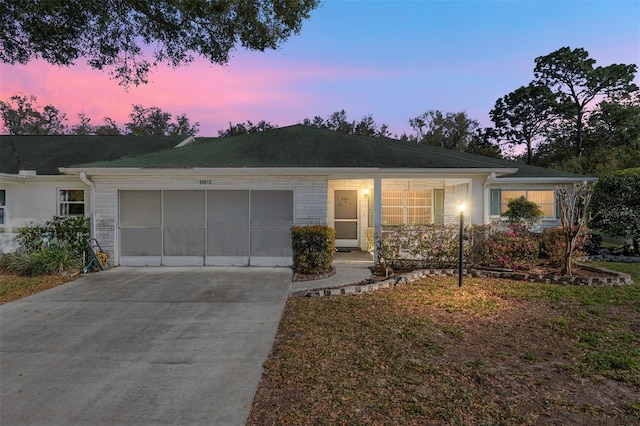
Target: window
column 71, row 202
column 3, row 205
column 408, row 207
column 544, row 199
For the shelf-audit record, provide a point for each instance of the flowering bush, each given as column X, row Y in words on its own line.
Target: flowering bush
column 504, row 246
column 552, row 244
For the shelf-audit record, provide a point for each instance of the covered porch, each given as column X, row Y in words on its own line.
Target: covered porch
column 358, row 208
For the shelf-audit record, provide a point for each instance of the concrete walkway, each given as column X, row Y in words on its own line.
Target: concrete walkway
column 140, row 346
column 351, row 267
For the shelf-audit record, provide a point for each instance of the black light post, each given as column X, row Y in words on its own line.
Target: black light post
column 461, row 207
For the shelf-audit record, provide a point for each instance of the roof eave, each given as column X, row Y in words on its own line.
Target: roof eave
column 345, row 171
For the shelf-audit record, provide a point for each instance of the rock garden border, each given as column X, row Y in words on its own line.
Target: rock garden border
column 616, row 278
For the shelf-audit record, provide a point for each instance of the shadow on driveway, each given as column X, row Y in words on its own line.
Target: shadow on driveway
column 175, row 346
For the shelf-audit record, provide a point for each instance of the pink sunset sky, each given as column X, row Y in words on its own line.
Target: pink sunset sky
column 392, row 59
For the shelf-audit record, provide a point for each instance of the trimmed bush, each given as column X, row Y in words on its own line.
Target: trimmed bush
column 424, row 245
column 313, row 248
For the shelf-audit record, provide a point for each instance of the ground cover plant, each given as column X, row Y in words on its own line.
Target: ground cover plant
column 495, row 351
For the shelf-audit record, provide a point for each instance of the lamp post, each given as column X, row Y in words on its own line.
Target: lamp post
column 461, row 208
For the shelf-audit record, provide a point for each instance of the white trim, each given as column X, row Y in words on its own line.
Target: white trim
column 227, row 260
column 270, row 261
column 534, row 180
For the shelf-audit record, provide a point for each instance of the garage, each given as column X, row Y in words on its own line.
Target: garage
column 205, row 227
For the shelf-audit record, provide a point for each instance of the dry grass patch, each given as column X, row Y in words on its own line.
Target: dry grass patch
column 13, row 287
column 492, row 352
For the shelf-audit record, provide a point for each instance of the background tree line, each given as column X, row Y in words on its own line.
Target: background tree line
column 22, row 115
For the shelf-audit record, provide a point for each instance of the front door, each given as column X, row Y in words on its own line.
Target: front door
column 346, row 218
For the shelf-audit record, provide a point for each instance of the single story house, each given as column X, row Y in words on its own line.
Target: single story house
column 32, row 189
column 232, row 201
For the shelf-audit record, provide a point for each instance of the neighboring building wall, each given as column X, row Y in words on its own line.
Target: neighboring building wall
column 33, row 200
column 310, row 194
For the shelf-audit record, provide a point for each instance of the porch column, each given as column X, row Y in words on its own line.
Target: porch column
column 377, row 217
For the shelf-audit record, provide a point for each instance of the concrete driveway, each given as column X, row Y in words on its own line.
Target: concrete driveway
column 174, row 346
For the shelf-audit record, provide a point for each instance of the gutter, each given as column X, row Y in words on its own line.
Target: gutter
column 486, row 214
column 92, row 198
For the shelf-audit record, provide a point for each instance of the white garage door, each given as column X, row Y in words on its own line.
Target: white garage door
column 216, row 227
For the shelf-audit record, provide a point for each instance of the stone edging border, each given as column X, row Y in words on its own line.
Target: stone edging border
column 312, row 277
column 618, row 278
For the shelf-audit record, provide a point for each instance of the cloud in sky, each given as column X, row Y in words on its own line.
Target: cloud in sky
column 392, row 59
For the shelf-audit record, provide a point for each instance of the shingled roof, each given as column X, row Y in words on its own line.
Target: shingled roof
column 305, row 146
column 46, row 153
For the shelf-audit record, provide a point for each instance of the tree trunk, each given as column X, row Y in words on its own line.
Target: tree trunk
column 579, row 134
column 568, row 257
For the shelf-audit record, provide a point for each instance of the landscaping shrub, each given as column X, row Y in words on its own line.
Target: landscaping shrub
column 62, row 231
column 552, row 245
column 313, row 248
column 504, row 246
column 49, row 260
column 53, row 247
column 422, row 245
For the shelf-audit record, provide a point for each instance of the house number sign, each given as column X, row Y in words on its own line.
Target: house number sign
column 206, row 181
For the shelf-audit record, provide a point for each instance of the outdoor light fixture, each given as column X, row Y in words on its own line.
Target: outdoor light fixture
column 365, row 192
column 461, row 208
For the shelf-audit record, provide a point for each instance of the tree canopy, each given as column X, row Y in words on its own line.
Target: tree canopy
column 451, row 130
column 523, row 116
column 615, row 207
column 129, row 37
column 576, row 82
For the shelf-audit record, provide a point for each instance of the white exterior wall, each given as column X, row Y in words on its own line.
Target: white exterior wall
column 310, row 195
column 33, row 200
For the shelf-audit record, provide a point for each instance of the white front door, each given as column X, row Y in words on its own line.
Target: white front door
column 346, row 218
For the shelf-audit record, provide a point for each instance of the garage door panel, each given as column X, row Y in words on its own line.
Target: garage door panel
column 140, row 208
column 183, row 242
column 226, row 208
column 271, row 208
column 141, row 241
column 270, row 242
column 228, row 241
column 183, row 209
